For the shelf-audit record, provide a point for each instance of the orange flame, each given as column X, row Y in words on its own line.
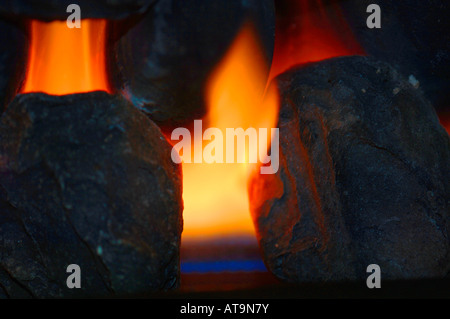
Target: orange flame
column 310, row 31
column 215, row 195
column 64, row 61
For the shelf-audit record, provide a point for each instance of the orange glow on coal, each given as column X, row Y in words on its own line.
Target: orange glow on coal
column 215, row 195
column 64, row 61
column 310, row 31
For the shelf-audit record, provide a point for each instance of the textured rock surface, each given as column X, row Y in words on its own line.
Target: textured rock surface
column 56, row 9
column 413, row 38
column 364, row 177
column 12, row 61
column 86, row 179
column 166, row 58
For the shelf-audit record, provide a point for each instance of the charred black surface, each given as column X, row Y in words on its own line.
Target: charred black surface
column 86, row 179
column 56, row 9
column 166, row 58
column 363, row 179
column 13, row 55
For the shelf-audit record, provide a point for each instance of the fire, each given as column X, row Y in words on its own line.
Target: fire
column 215, row 195
column 64, row 61
column 310, row 31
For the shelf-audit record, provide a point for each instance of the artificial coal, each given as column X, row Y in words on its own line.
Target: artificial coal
column 364, row 177
column 86, row 179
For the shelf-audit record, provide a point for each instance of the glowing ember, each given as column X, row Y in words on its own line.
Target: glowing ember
column 64, row 61
column 215, row 195
column 309, row 31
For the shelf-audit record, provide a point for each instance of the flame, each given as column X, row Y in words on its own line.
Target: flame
column 215, row 195
column 64, row 61
column 310, row 31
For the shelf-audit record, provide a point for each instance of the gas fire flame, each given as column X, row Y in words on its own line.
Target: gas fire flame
column 215, row 195
column 65, row 61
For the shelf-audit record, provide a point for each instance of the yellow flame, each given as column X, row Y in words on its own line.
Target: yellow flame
column 64, row 61
column 215, row 195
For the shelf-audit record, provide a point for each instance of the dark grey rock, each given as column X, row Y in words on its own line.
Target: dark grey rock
column 86, row 179
column 13, row 57
column 56, row 9
column 413, row 38
column 364, row 177
column 165, row 59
